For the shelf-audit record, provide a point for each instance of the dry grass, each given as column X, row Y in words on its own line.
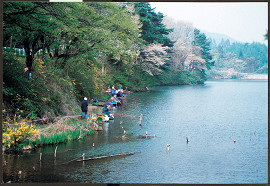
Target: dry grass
column 65, row 125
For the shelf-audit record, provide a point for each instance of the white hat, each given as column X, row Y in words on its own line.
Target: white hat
column 85, row 98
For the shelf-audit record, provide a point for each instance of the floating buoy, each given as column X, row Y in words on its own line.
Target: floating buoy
column 234, row 140
column 93, row 144
column 187, row 139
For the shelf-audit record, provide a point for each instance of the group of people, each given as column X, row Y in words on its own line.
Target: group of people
column 113, row 91
column 116, row 98
column 116, row 95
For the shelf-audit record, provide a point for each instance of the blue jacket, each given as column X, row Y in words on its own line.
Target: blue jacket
column 105, row 109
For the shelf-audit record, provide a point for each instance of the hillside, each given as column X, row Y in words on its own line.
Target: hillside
column 218, row 37
column 58, row 53
column 237, row 60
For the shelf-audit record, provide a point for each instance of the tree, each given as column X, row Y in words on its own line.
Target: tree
column 153, row 29
column 155, row 58
column 252, row 65
column 156, row 49
column 194, row 62
column 33, row 25
column 201, row 48
column 201, row 41
column 266, row 35
column 241, row 55
column 182, row 50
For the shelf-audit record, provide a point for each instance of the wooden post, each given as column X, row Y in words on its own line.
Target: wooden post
column 40, row 156
column 55, row 152
column 140, row 123
column 83, row 156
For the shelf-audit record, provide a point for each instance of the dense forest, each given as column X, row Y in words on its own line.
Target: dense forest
column 231, row 59
column 235, row 59
column 57, row 53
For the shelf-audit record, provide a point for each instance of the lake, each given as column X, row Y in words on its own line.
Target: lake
column 210, row 115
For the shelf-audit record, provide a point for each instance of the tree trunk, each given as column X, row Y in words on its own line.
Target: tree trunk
column 29, row 55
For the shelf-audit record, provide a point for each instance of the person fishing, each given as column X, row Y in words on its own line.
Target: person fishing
column 110, row 102
column 84, row 108
column 106, row 109
column 113, row 101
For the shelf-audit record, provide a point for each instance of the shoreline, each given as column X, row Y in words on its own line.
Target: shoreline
column 242, row 76
column 255, row 76
column 58, row 130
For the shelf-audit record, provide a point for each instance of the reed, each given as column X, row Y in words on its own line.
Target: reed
column 63, row 137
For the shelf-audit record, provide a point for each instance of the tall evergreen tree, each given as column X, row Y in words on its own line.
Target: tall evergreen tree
column 201, row 41
column 153, row 29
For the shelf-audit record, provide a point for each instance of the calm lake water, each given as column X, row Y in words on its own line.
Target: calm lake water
column 210, row 115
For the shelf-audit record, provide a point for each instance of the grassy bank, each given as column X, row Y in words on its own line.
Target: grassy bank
column 20, row 136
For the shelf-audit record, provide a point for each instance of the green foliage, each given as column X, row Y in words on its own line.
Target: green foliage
column 202, row 49
column 75, row 50
column 62, row 137
column 153, row 29
column 18, row 92
column 49, row 91
column 243, row 57
column 201, row 41
column 266, row 35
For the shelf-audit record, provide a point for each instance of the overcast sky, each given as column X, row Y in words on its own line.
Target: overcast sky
column 246, row 22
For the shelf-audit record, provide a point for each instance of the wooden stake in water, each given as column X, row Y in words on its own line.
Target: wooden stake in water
column 140, row 123
column 83, row 156
column 40, row 156
column 55, row 152
column 168, row 147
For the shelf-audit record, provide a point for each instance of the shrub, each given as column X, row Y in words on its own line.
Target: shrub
column 16, row 136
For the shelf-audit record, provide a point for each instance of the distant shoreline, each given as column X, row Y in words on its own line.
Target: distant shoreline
column 245, row 76
column 254, row 76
